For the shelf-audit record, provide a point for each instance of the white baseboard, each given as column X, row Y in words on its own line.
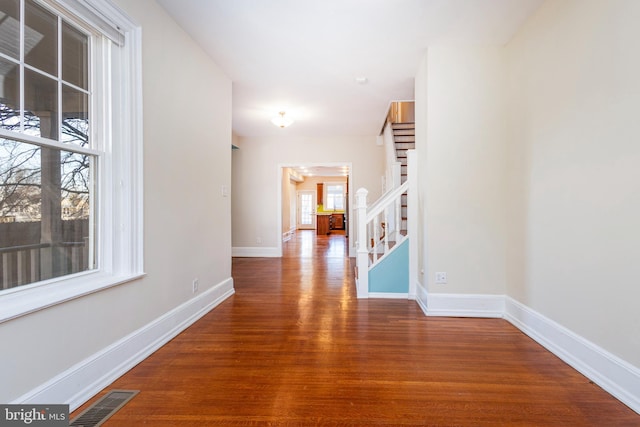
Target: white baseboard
column 617, row 377
column 255, row 252
column 288, row 235
column 79, row 383
column 421, row 297
column 388, row 295
column 461, row 305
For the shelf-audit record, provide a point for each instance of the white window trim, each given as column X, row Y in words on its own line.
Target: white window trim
column 120, row 208
column 326, row 193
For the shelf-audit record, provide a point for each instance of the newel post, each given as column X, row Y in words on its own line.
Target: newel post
column 362, row 257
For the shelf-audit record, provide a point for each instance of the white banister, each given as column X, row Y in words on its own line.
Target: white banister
column 388, row 215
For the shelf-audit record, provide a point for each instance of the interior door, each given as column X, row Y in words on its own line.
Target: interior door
column 306, row 210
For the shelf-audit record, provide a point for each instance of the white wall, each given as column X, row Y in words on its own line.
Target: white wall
column 462, row 167
column 256, row 177
column 187, row 158
column 575, row 134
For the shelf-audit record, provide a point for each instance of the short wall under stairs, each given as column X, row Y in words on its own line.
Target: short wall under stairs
column 389, row 278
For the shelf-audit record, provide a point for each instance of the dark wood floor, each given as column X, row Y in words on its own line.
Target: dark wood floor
column 295, row 347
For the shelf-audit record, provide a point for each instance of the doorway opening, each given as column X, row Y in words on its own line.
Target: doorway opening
column 314, row 196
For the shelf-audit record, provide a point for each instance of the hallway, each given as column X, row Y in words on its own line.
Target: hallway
column 295, row 347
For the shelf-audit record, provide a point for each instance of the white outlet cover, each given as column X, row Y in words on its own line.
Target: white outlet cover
column 441, row 277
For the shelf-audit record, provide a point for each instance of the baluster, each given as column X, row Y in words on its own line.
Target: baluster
column 375, row 238
column 386, row 230
column 398, row 221
column 20, row 264
column 35, row 265
column 6, row 269
column 75, row 259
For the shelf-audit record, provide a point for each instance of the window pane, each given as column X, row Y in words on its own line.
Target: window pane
column 44, row 213
column 75, row 116
column 335, row 197
column 41, row 38
column 19, row 184
column 75, row 54
column 9, row 96
column 10, row 28
column 41, row 105
column 306, row 209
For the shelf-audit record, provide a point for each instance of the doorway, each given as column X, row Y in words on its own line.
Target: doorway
column 306, row 210
column 301, row 199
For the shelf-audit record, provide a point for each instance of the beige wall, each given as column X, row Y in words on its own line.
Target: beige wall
column 462, row 169
column 187, row 159
column 574, row 137
column 256, row 178
column 529, row 176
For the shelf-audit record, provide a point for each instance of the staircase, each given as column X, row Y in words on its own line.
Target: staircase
column 404, row 137
column 385, row 252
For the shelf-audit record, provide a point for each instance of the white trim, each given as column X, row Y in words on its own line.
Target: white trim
column 101, row 13
column 279, row 175
column 464, row 305
column 102, row 368
column 617, row 377
column 120, row 181
column 256, row 252
column 22, row 300
column 388, row 295
column 47, row 142
column 413, row 219
column 287, row 235
column 421, row 297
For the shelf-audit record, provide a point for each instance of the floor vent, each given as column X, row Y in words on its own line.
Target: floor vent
column 104, row 408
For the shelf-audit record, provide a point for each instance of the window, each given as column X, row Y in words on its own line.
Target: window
column 69, row 141
column 334, row 197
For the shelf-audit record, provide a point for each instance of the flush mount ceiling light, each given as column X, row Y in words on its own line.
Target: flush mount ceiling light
column 281, row 121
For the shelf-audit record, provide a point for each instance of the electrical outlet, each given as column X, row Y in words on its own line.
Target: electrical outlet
column 441, row 277
column 195, row 285
column 259, row 240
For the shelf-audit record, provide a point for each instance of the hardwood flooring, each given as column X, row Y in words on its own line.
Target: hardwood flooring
column 294, row 347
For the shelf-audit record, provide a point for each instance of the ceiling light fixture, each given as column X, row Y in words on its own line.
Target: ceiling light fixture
column 281, row 121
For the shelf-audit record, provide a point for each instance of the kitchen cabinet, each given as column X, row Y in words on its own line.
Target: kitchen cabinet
column 319, row 192
column 337, row 221
column 322, row 224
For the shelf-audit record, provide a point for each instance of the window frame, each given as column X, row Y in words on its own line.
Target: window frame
column 116, row 60
column 326, row 195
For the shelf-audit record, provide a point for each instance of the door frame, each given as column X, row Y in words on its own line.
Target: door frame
column 279, row 175
column 314, row 195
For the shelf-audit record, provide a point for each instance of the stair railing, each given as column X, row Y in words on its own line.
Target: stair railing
column 381, row 227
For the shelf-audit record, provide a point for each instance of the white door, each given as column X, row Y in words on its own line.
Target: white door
column 306, row 210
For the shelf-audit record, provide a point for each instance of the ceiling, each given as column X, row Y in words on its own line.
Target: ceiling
column 304, row 56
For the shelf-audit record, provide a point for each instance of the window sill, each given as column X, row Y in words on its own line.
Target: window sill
column 28, row 299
